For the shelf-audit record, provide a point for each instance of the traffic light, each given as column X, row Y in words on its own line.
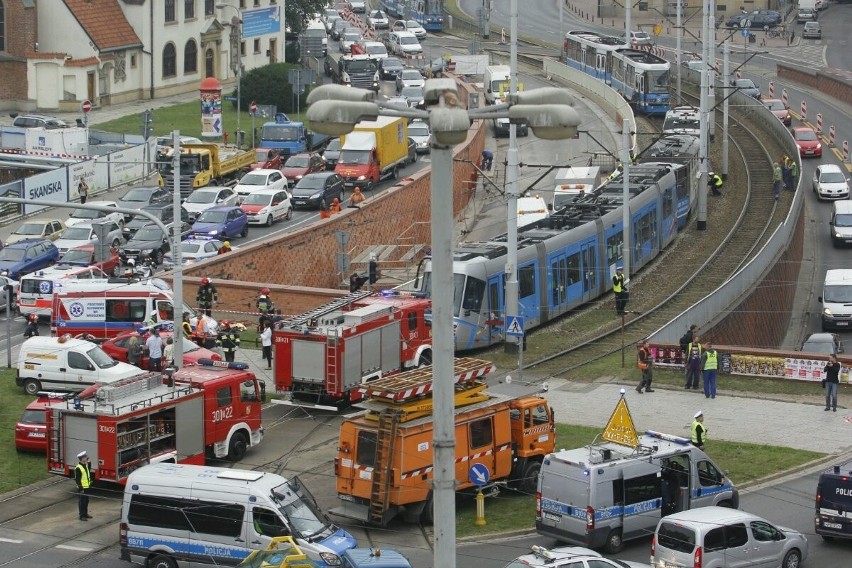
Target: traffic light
column 355, row 282
column 147, row 117
column 373, row 271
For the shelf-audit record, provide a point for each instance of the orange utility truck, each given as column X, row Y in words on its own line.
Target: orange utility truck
column 384, row 462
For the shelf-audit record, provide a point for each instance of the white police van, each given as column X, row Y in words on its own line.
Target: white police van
column 605, row 494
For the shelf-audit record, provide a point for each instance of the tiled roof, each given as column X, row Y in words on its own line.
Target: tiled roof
column 104, row 23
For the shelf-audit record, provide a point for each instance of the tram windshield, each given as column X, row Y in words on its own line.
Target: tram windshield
column 658, row 81
column 467, row 292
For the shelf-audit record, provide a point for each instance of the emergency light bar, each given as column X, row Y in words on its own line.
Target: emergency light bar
column 668, row 437
column 223, row 364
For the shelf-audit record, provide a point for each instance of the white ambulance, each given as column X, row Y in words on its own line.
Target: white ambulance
column 35, row 295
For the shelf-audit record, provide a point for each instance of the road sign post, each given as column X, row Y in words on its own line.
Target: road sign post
column 86, row 107
column 515, row 328
column 253, row 113
column 479, row 476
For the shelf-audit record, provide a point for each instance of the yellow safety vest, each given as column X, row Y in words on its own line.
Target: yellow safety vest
column 618, row 284
column 712, row 361
column 85, row 476
column 695, row 427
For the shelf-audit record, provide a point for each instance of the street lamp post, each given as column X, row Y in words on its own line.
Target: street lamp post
column 237, row 59
column 334, row 110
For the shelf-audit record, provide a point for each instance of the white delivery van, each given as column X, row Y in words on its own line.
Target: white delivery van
column 602, row 495
column 572, row 182
column 191, row 515
column 841, row 223
column 836, row 299
column 531, row 210
column 496, row 80
column 66, row 364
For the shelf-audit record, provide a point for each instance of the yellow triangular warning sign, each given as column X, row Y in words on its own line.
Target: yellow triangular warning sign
column 620, row 428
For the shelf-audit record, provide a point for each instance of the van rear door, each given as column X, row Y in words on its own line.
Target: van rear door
column 641, row 498
column 834, row 505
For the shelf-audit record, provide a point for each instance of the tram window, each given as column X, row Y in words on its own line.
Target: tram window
column 613, row 248
column 573, row 269
column 526, row 281
column 473, row 292
column 668, row 204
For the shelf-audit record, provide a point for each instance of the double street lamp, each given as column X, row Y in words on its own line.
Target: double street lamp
column 334, row 110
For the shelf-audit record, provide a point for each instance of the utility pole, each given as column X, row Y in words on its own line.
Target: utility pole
column 486, row 19
column 726, row 80
column 703, row 139
column 625, row 208
column 678, row 52
column 175, row 238
column 628, row 20
column 512, row 304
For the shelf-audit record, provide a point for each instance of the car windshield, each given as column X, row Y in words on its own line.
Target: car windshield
column 832, row 177
column 410, row 74
column 12, row 254
column 360, row 66
column 408, row 40
column 376, row 49
column 78, row 233
column 333, row 145
column 412, row 25
column 149, row 234
column 744, row 83
column 253, row 179
column 76, row 256
column 391, row 63
column 202, row 197
column 261, row 155
column 831, row 294
column 351, row 36
column 279, row 133
column 775, row 105
column 419, row 130
column 86, row 214
column 34, row 417
column 212, row 217
column 30, row 229
column 825, row 347
column 190, row 248
column 316, row 182
column 843, row 221
column 100, row 358
column 297, row 162
column 412, row 92
column 137, row 196
column 806, row 135
column 347, row 157
column 257, row 199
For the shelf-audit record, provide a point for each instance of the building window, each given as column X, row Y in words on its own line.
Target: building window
column 2, row 26
column 209, row 69
column 170, row 10
column 133, row 62
column 242, row 4
column 190, row 57
column 169, row 60
column 188, row 9
column 257, row 46
column 242, row 49
column 209, row 6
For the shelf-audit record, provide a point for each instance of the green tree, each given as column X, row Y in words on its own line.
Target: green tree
column 269, row 85
column 300, row 12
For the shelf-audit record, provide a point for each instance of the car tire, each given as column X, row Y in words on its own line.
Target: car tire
column 269, row 220
column 792, row 559
column 289, row 214
column 32, row 386
column 244, row 232
column 158, row 257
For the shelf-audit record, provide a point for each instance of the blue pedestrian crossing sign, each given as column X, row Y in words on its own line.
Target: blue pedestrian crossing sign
column 479, row 474
column 514, row 326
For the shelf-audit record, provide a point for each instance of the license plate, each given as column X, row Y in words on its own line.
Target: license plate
column 552, row 517
column 299, row 202
column 833, row 525
column 37, row 435
column 842, row 323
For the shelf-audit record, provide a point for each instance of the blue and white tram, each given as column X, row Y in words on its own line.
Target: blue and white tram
column 563, row 261
column 642, row 78
column 591, row 53
column 679, row 149
column 427, row 13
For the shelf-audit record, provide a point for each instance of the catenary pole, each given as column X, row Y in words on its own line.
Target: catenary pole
column 177, row 336
column 512, row 307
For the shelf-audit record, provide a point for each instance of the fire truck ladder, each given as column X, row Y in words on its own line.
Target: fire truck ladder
column 410, row 393
column 324, row 309
column 383, row 472
column 55, row 438
column 332, row 342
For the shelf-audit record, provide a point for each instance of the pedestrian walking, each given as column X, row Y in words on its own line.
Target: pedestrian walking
column 207, row 296
column 791, row 37
column 699, row 431
column 83, row 478
column 645, row 361
column 134, row 352
column 693, row 364
column 266, row 343
column 709, row 365
column 830, row 382
column 776, row 179
column 229, row 340
column 619, row 288
column 154, row 345
column 83, row 191
column 169, row 353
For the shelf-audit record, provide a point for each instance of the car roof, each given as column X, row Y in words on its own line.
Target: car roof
column 401, row 33
column 704, row 515
column 820, row 338
column 268, row 191
column 25, row 221
column 829, row 168
column 266, row 171
column 223, row 208
column 803, row 129
column 27, row 243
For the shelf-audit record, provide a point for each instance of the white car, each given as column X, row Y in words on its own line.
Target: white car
column 16, row 286
column 640, row 38
column 84, row 234
column 90, row 215
column 257, row 180
column 376, row 50
column 204, row 198
column 420, row 133
column 266, row 206
column 409, row 26
column 404, row 44
column 348, row 39
column 409, row 78
column 568, row 557
column 378, row 20
column 830, row 183
column 358, row 6
column 194, row 249
column 414, row 95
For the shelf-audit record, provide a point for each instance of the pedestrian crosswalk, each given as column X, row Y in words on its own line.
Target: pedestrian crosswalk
column 809, row 53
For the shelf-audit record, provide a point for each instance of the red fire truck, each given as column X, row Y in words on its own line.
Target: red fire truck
column 323, row 355
column 209, row 409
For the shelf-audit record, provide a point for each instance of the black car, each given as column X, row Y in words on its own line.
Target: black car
column 331, row 153
column 150, row 242
column 757, row 19
column 139, row 197
column 317, row 190
column 390, row 68
column 162, row 211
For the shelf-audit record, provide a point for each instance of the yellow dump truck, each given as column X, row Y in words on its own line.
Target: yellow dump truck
column 204, row 164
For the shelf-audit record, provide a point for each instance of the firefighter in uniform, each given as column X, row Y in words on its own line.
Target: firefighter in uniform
column 83, row 478
column 699, row 431
column 620, row 290
column 715, row 183
column 228, row 340
column 207, row 296
column 264, row 307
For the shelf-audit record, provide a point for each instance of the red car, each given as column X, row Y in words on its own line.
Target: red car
column 267, row 159
column 298, row 166
column 808, row 142
column 117, row 349
column 85, row 256
column 31, row 429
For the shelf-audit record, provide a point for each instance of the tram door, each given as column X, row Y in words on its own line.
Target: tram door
column 600, row 65
column 639, row 95
column 590, row 273
column 495, row 308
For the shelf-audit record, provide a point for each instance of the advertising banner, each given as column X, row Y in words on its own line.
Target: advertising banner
column 211, row 113
column 83, row 172
column 47, row 188
column 12, row 189
column 126, row 165
column 261, row 22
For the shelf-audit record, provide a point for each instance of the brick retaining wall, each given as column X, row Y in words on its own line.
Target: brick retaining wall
column 835, row 83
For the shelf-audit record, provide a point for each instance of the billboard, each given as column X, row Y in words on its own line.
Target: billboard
column 46, row 188
column 261, row 22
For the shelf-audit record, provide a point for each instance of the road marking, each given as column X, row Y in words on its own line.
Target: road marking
column 77, row 548
column 11, row 540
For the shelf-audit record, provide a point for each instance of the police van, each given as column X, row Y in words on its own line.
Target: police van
column 602, row 495
column 191, row 515
column 35, row 295
column 833, row 517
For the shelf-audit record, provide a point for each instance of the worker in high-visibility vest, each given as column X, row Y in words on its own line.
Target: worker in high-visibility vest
column 699, row 431
column 709, row 364
column 83, row 478
column 619, row 287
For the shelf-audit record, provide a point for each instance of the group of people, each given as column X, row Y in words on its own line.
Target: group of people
column 785, row 172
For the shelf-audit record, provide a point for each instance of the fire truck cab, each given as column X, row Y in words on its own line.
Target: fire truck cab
column 324, row 355
column 151, row 418
column 384, row 464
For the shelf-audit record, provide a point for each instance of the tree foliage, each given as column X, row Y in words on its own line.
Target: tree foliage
column 269, row 85
column 300, row 12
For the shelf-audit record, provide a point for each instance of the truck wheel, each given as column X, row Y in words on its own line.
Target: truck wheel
column 427, row 517
column 425, row 359
column 614, row 543
column 529, row 480
column 395, row 173
column 237, row 448
column 32, row 386
column 161, row 561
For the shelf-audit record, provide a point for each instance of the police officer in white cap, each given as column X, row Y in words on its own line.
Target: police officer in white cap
column 699, row 431
column 83, row 477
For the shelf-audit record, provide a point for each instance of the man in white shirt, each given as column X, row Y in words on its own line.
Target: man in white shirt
column 154, row 345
